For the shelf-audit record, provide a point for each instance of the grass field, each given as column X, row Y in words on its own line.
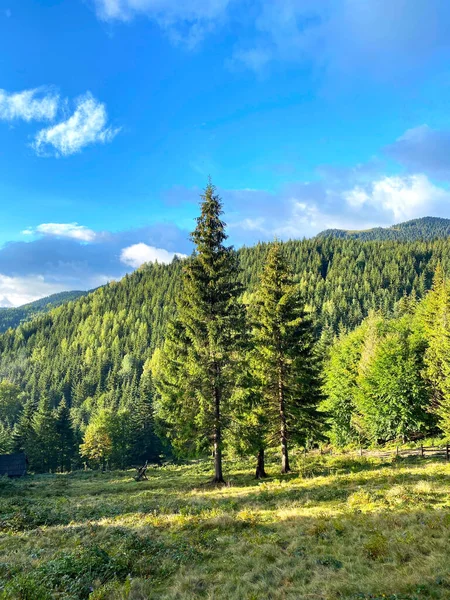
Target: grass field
column 337, row 528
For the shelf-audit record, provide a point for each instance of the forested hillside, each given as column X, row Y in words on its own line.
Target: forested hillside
column 388, row 378
column 95, row 352
column 12, row 317
column 426, row 228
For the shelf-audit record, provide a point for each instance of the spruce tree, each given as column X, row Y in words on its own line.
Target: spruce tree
column 65, row 436
column 200, row 357
column 6, row 441
column 285, row 359
column 146, row 445
column 45, row 454
column 23, row 436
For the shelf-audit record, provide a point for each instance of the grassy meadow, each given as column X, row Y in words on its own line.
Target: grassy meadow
column 337, row 528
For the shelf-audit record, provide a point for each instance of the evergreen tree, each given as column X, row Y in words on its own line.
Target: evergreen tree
column 44, row 456
column 146, row 444
column 285, row 360
column 6, row 440
column 65, row 436
column 211, row 328
column 341, row 371
column 391, row 394
column 435, row 316
column 23, row 436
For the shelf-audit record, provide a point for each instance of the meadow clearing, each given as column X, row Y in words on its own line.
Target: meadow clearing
column 336, row 528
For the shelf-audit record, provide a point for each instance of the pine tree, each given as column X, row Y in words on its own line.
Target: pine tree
column 6, row 441
column 284, row 357
column 146, row 445
column 208, row 333
column 23, row 436
column 65, row 436
column 45, row 454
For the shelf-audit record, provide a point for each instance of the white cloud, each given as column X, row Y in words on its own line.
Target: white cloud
column 138, row 254
column 185, row 22
column 86, row 126
column 165, row 11
column 15, row 291
column 30, row 105
column 304, row 209
column 400, row 197
column 67, row 230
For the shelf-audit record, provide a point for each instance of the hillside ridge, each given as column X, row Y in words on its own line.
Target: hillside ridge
column 11, row 317
column 424, row 228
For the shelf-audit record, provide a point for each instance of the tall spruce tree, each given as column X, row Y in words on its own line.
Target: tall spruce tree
column 285, row 360
column 197, row 375
column 45, row 455
column 65, row 436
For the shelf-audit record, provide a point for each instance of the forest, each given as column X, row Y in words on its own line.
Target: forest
column 281, row 345
column 11, row 317
column 425, row 228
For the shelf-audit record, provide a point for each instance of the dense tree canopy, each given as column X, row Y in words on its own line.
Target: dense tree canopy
column 96, row 353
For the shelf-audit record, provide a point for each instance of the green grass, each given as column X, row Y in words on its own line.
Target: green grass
column 336, row 529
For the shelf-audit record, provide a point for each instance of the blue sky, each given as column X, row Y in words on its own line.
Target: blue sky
column 306, row 114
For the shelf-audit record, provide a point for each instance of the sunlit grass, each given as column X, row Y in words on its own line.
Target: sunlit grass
column 337, row 528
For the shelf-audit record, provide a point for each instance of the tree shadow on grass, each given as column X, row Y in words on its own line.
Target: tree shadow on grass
column 401, row 555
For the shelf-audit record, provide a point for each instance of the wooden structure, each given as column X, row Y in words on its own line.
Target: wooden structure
column 13, row 465
column 141, row 473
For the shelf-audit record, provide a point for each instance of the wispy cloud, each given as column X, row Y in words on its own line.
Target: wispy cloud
column 39, row 104
column 184, row 22
column 381, row 36
column 138, row 254
column 423, row 149
column 87, row 125
column 67, row 230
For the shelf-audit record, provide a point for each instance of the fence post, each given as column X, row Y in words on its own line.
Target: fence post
column 447, row 448
column 360, row 451
column 397, row 451
column 422, row 452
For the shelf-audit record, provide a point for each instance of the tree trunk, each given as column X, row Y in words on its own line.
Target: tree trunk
column 285, row 468
column 260, row 467
column 218, row 474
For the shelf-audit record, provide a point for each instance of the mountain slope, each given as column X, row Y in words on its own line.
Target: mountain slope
column 426, row 228
column 94, row 351
column 12, row 317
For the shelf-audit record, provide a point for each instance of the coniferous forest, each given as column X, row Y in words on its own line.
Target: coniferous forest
column 323, row 341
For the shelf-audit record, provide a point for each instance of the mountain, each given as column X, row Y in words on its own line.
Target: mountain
column 426, row 228
column 13, row 316
column 95, row 350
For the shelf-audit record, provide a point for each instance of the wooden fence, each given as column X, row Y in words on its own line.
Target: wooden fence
column 419, row 451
